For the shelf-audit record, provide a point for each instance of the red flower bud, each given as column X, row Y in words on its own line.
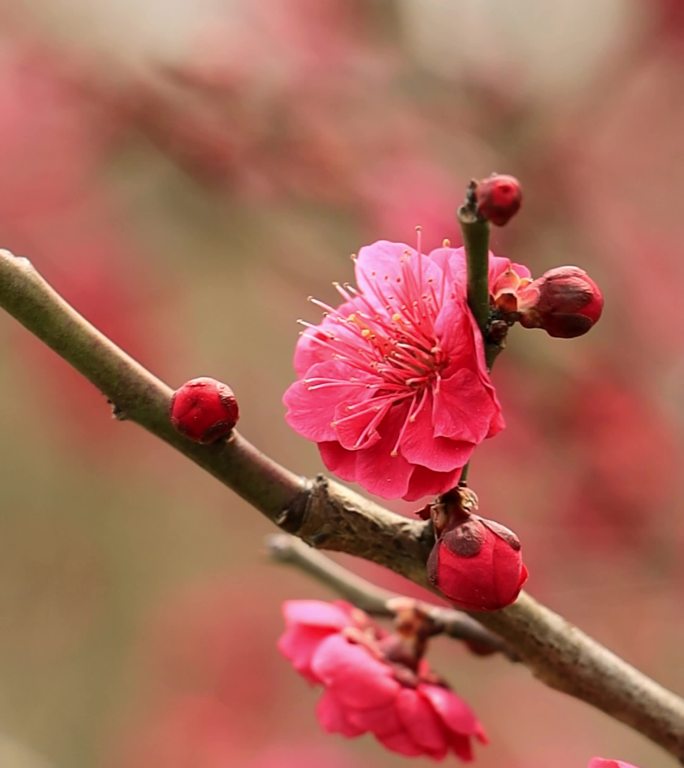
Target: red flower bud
column 498, row 198
column 203, row 409
column 477, row 564
column 564, row 301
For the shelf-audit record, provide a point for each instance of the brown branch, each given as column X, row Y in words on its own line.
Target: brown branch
column 329, row 516
column 377, row 601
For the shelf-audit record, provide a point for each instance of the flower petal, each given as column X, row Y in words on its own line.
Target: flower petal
column 339, row 460
column 308, row 623
column 463, row 409
column 452, row 710
column 381, row 473
column 420, row 721
column 421, row 446
column 383, row 257
column 356, row 424
column 402, row 743
column 382, row 721
column 298, row 644
column 497, row 266
column 462, row 747
column 357, row 679
column 332, row 717
column 318, row 613
column 452, row 262
column 310, row 408
column 383, row 268
column 309, row 350
column 374, row 467
column 426, row 482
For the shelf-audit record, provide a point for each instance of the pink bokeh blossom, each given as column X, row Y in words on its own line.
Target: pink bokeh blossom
column 393, row 385
column 600, row 762
column 405, row 706
column 299, row 755
column 190, row 731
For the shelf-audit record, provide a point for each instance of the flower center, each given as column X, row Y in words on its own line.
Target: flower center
column 401, row 353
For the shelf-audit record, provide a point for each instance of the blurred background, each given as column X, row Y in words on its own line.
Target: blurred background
column 187, row 173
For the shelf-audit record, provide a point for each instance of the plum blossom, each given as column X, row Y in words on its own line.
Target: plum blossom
column 372, row 685
column 393, row 385
column 601, row 762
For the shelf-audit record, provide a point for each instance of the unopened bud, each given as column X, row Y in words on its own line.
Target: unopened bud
column 203, row 409
column 498, row 197
column 477, row 564
column 564, row 301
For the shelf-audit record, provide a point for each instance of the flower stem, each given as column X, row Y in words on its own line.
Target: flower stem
column 476, row 242
column 475, row 233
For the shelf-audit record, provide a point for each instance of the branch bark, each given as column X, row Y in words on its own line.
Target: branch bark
column 379, row 602
column 328, row 516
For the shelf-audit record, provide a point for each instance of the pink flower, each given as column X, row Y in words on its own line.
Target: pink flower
column 370, row 688
column 600, row 762
column 393, row 384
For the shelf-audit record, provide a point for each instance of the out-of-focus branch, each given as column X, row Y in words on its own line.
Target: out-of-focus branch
column 328, row 516
column 377, row 601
